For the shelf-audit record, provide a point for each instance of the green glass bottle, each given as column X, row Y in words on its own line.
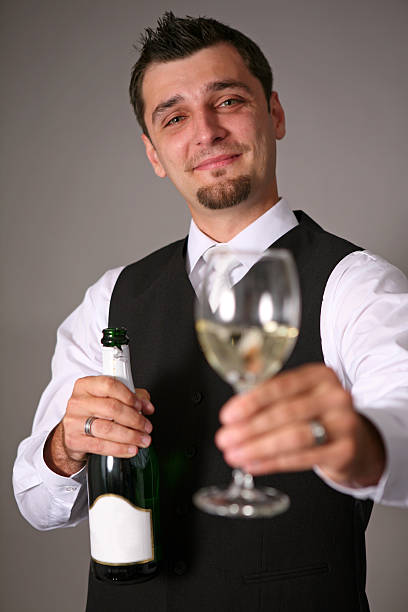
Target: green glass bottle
column 123, row 494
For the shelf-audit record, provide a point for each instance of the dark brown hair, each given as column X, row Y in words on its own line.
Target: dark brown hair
column 176, row 38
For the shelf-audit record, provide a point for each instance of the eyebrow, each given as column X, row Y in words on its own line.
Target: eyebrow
column 162, row 107
column 227, row 84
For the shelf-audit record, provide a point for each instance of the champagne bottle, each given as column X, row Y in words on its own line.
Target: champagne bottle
column 123, row 493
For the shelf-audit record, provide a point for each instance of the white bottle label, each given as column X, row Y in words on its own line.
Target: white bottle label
column 121, row 533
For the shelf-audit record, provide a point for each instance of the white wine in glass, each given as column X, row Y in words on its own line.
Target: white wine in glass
column 247, row 330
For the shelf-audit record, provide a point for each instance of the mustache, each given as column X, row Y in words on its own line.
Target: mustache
column 204, row 154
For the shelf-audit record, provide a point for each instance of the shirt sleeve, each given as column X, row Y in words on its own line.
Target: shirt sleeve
column 46, row 499
column 364, row 329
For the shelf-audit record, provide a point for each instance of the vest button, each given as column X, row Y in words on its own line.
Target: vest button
column 180, row 568
column 196, row 397
column 190, row 452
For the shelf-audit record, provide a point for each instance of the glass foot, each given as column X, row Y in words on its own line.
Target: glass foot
column 241, row 502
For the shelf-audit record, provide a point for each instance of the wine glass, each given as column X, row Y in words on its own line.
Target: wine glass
column 247, row 329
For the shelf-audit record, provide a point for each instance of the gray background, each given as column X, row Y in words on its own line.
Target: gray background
column 78, row 197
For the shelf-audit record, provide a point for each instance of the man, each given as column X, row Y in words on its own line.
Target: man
column 202, row 93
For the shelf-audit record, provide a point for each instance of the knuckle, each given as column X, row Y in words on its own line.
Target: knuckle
column 97, row 446
column 103, row 426
column 284, row 412
column 78, row 385
column 67, row 421
column 256, row 426
column 142, row 394
column 141, row 422
column 291, row 410
column 246, row 407
column 278, row 385
column 67, row 426
column 116, row 408
column 329, row 374
column 109, row 384
column 282, row 462
column 72, row 405
column 339, row 396
column 81, row 384
column 297, row 438
column 132, row 437
column 313, row 371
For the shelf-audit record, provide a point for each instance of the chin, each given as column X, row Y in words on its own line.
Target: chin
column 225, row 194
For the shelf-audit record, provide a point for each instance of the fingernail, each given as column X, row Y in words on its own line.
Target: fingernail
column 132, row 450
column 228, row 415
column 146, row 440
column 138, row 404
column 147, row 405
column 148, row 426
column 221, row 439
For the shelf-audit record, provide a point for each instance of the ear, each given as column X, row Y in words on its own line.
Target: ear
column 153, row 157
column 278, row 116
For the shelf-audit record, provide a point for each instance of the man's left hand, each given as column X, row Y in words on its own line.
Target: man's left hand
column 270, row 429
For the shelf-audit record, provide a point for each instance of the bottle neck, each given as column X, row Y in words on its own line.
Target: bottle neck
column 116, row 363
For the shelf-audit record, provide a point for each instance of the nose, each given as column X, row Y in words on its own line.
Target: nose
column 207, row 128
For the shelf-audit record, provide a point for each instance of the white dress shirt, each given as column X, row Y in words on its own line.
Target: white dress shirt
column 364, row 334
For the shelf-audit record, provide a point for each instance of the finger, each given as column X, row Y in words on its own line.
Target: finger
column 287, row 440
column 142, row 394
column 333, row 409
column 284, row 386
column 269, row 419
column 147, row 406
column 98, row 446
column 112, row 432
column 106, row 386
column 330, row 454
column 80, row 408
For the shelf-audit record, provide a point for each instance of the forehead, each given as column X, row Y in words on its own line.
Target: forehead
column 190, row 75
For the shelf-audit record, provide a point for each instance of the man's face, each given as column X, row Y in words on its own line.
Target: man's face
column 210, row 129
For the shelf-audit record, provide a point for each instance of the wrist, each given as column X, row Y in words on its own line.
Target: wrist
column 56, row 455
column 373, row 453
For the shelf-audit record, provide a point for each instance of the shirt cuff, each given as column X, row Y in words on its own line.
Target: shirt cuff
column 65, row 488
column 392, row 424
column 392, row 488
column 373, row 492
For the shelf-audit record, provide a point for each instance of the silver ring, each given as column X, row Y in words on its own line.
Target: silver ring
column 88, row 426
column 319, row 432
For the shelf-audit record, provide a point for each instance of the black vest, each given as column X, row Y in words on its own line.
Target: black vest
column 309, row 559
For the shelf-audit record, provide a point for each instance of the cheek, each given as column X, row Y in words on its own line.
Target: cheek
column 167, row 161
column 244, row 129
column 173, row 153
column 261, row 149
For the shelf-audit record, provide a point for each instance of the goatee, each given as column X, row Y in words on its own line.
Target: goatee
column 225, row 194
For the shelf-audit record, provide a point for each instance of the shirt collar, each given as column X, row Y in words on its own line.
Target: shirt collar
column 259, row 235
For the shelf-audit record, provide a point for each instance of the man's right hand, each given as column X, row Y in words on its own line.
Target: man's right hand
column 118, row 430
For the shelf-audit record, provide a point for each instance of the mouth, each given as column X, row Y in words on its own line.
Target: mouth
column 217, row 162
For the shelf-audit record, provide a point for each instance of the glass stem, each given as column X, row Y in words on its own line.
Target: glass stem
column 242, row 480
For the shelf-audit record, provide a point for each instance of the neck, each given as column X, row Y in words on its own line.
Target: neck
column 223, row 225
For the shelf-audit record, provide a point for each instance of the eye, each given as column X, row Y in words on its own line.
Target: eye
column 230, row 102
column 175, row 120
